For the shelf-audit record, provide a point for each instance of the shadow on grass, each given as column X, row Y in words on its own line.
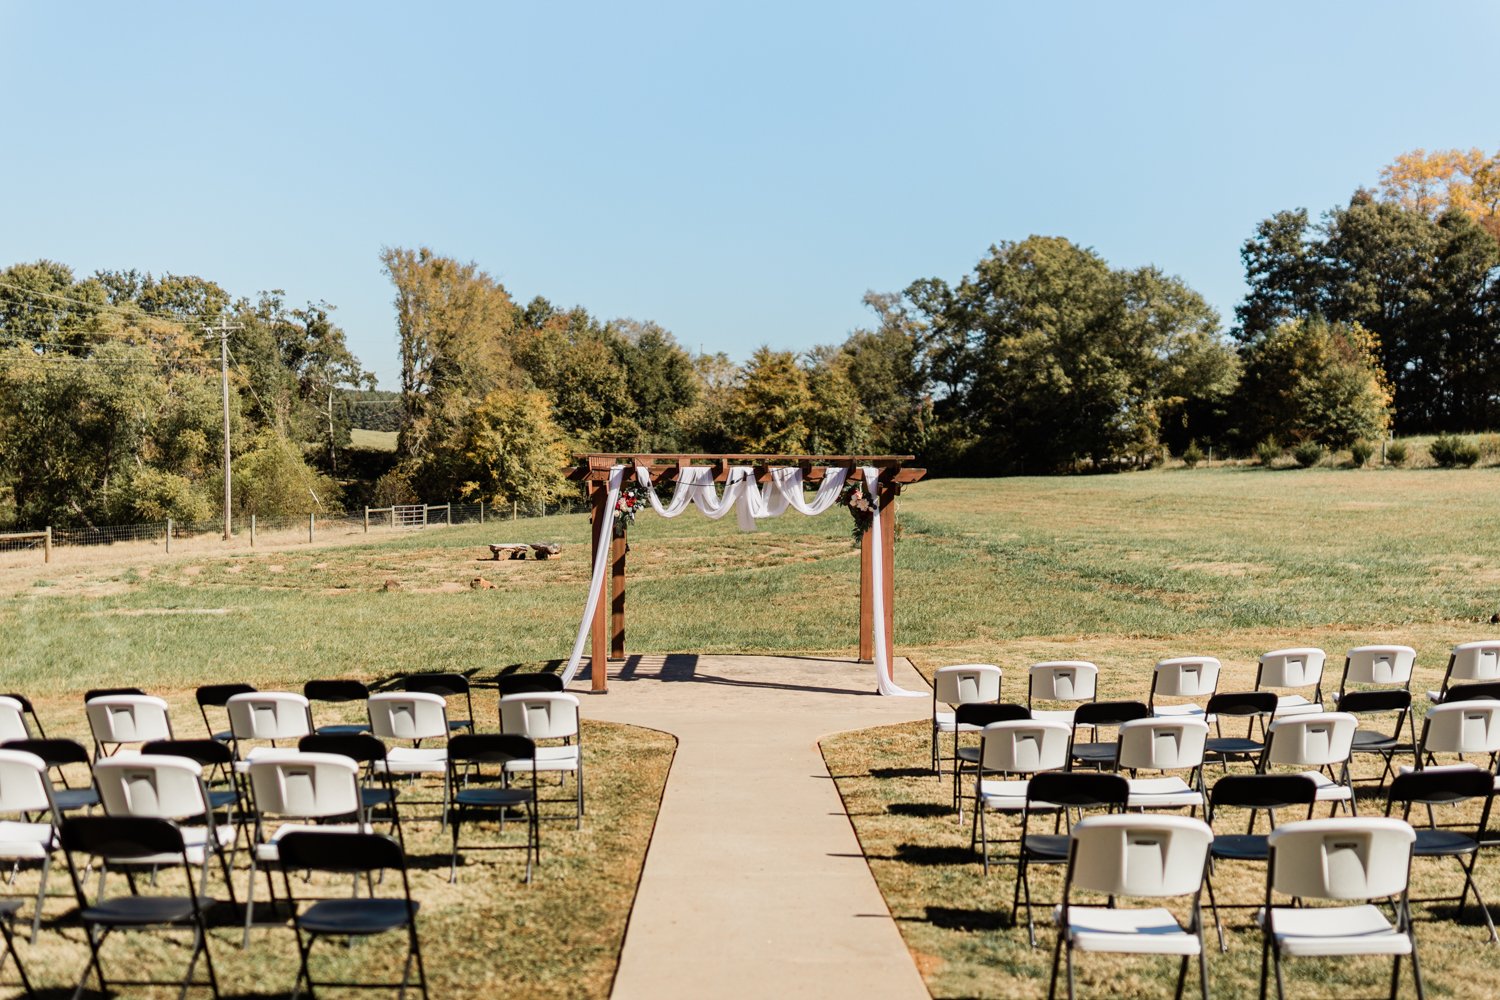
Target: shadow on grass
column 921, row 809
column 897, row 772
column 928, row 854
column 953, row 918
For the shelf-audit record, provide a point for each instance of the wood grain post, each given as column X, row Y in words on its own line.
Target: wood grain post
column 617, row 599
column 602, row 522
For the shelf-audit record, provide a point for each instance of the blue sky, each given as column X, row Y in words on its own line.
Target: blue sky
column 741, row 174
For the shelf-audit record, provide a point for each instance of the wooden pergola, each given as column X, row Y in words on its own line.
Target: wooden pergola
column 608, row 626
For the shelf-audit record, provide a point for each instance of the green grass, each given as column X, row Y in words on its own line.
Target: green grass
column 369, row 440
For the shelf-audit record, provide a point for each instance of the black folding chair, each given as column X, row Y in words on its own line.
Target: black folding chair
column 491, row 750
column 225, row 791
column 59, row 753
column 1395, row 701
column 338, row 692
column 979, row 714
column 1048, row 792
column 138, row 839
column 376, row 789
column 528, row 683
column 1440, row 786
column 1253, row 792
column 1248, row 705
column 447, row 686
column 93, row 693
column 1094, row 714
column 315, row 917
column 217, row 696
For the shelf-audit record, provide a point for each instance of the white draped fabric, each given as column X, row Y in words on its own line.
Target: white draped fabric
column 783, row 490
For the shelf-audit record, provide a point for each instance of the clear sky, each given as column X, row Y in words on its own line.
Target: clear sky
column 741, row 174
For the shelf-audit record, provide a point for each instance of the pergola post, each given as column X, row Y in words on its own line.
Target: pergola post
column 867, row 597
column 617, row 598
column 603, row 523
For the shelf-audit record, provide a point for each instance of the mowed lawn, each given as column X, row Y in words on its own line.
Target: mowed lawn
column 1121, row 569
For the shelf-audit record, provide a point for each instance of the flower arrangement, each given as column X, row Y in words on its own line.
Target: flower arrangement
column 861, row 508
column 632, row 499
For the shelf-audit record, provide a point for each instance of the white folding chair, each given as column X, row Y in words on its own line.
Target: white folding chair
column 1060, row 680
column 13, row 720
column 118, row 719
column 1183, row 677
column 412, row 717
column 547, row 716
column 1320, row 741
column 273, row 718
column 156, row 786
column 1469, row 663
column 296, row 790
column 26, row 792
column 1290, row 669
column 1172, row 744
column 1342, row 860
column 1378, row 666
column 1134, row 857
column 962, row 684
column 1460, row 728
column 1020, row 748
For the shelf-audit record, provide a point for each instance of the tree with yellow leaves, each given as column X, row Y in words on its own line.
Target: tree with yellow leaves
column 1446, row 179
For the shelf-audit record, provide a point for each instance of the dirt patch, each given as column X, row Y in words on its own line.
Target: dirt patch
column 276, row 568
column 234, row 568
column 191, row 570
column 1224, row 568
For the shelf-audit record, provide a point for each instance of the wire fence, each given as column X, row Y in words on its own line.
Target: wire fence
column 168, row 536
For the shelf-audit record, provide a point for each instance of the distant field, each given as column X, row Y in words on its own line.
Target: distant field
column 372, row 440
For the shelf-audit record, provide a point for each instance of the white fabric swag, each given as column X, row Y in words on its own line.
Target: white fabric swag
column 741, row 494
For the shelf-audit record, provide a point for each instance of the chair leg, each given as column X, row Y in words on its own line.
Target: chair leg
column 1280, row 983
column 1416, row 968
column 1213, row 907
column 455, row 822
column 1395, row 976
column 1181, row 976
column 41, row 894
column 1056, row 957
column 1203, row 970
column 249, row 900
column 1072, row 987
column 1265, row 957
column 10, row 948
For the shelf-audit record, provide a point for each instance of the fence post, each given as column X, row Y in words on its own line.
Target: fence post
column 311, row 521
column 393, row 515
column 481, row 512
column 252, row 531
column 448, row 513
column 515, row 506
column 47, row 545
column 367, row 520
column 169, row 535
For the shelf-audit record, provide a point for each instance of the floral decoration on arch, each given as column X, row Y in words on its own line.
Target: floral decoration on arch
column 632, row 498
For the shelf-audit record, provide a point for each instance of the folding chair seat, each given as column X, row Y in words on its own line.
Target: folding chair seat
column 1377, row 667
column 1320, row 741
column 1184, row 677
column 1392, row 701
column 1342, row 860
column 120, row 719
column 528, row 683
column 272, row 718
column 1468, row 663
column 509, row 754
column 1049, row 793
column 962, row 684
column 1253, row 707
column 217, row 696
column 346, row 854
column 376, row 790
column 412, row 717
column 337, row 692
column 447, row 687
column 1093, row 715
column 1060, row 681
column 26, row 793
column 137, row 839
column 1255, row 793
column 548, row 716
column 1442, row 787
column 1015, row 750
column 1134, row 857
column 59, row 754
column 302, row 793
column 1169, row 744
column 1289, row 670
column 978, row 715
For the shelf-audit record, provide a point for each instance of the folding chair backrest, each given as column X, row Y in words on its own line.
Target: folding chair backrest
column 24, row 787
column 1024, row 747
column 93, row 693
column 338, row 851
column 120, row 838
column 1313, row 740
column 218, row 695
column 335, row 691
column 1388, row 666
column 311, row 785
column 1476, row 691
column 1475, row 661
column 490, row 748
column 1290, row 668
column 540, row 716
column 1162, row 744
column 1132, row 855
column 1462, row 727
column 151, row 785
column 1242, row 703
column 54, row 751
column 1342, row 859
column 1109, row 713
column 408, row 715
column 128, row 718
column 1062, row 680
column 1389, row 700
column 1185, row 677
column 268, row 715
column 987, row 713
column 966, row 683
column 207, row 753
column 1441, row 785
column 1079, row 789
column 362, row 748
column 528, row 683
column 13, row 720
column 1262, row 791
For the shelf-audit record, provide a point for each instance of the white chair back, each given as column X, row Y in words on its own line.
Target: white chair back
column 269, row 715
column 128, row 718
column 159, row 787
column 310, row 785
column 13, row 721
column 1291, row 668
column 1345, row 859
column 1317, row 739
column 1385, row 665
column 1024, row 747
column 1063, row 680
column 1161, row 744
column 541, row 716
column 1463, row 727
column 1475, row 661
column 1186, row 677
column 967, row 683
column 1133, row 855
column 408, row 715
column 24, row 787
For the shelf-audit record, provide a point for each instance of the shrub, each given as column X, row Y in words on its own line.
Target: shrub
column 1451, row 451
column 1267, row 452
column 1192, row 455
column 1360, row 452
column 1308, row 454
column 1395, row 453
column 1489, row 447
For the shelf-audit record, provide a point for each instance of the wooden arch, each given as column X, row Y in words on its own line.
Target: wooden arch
column 608, row 626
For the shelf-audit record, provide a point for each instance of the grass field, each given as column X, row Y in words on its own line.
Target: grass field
column 370, row 440
column 1119, row 569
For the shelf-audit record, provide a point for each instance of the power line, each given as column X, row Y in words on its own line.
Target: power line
column 136, row 313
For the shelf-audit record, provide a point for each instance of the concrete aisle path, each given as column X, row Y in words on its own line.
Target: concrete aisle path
column 754, row 884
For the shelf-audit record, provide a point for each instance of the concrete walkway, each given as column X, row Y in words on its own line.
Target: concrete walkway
column 754, row 884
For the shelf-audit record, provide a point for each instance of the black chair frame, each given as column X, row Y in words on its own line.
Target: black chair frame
column 1391, row 701
column 979, row 714
column 340, row 691
column 1256, row 793
column 366, row 751
column 1094, row 714
column 1059, row 792
column 217, row 696
column 491, row 749
column 446, row 686
column 529, row 683
column 1252, row 706
column 1447, row 786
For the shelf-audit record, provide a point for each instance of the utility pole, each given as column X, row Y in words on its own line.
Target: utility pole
column 223, row 330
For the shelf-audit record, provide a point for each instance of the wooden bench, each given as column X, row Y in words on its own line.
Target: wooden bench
column 518, row 550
